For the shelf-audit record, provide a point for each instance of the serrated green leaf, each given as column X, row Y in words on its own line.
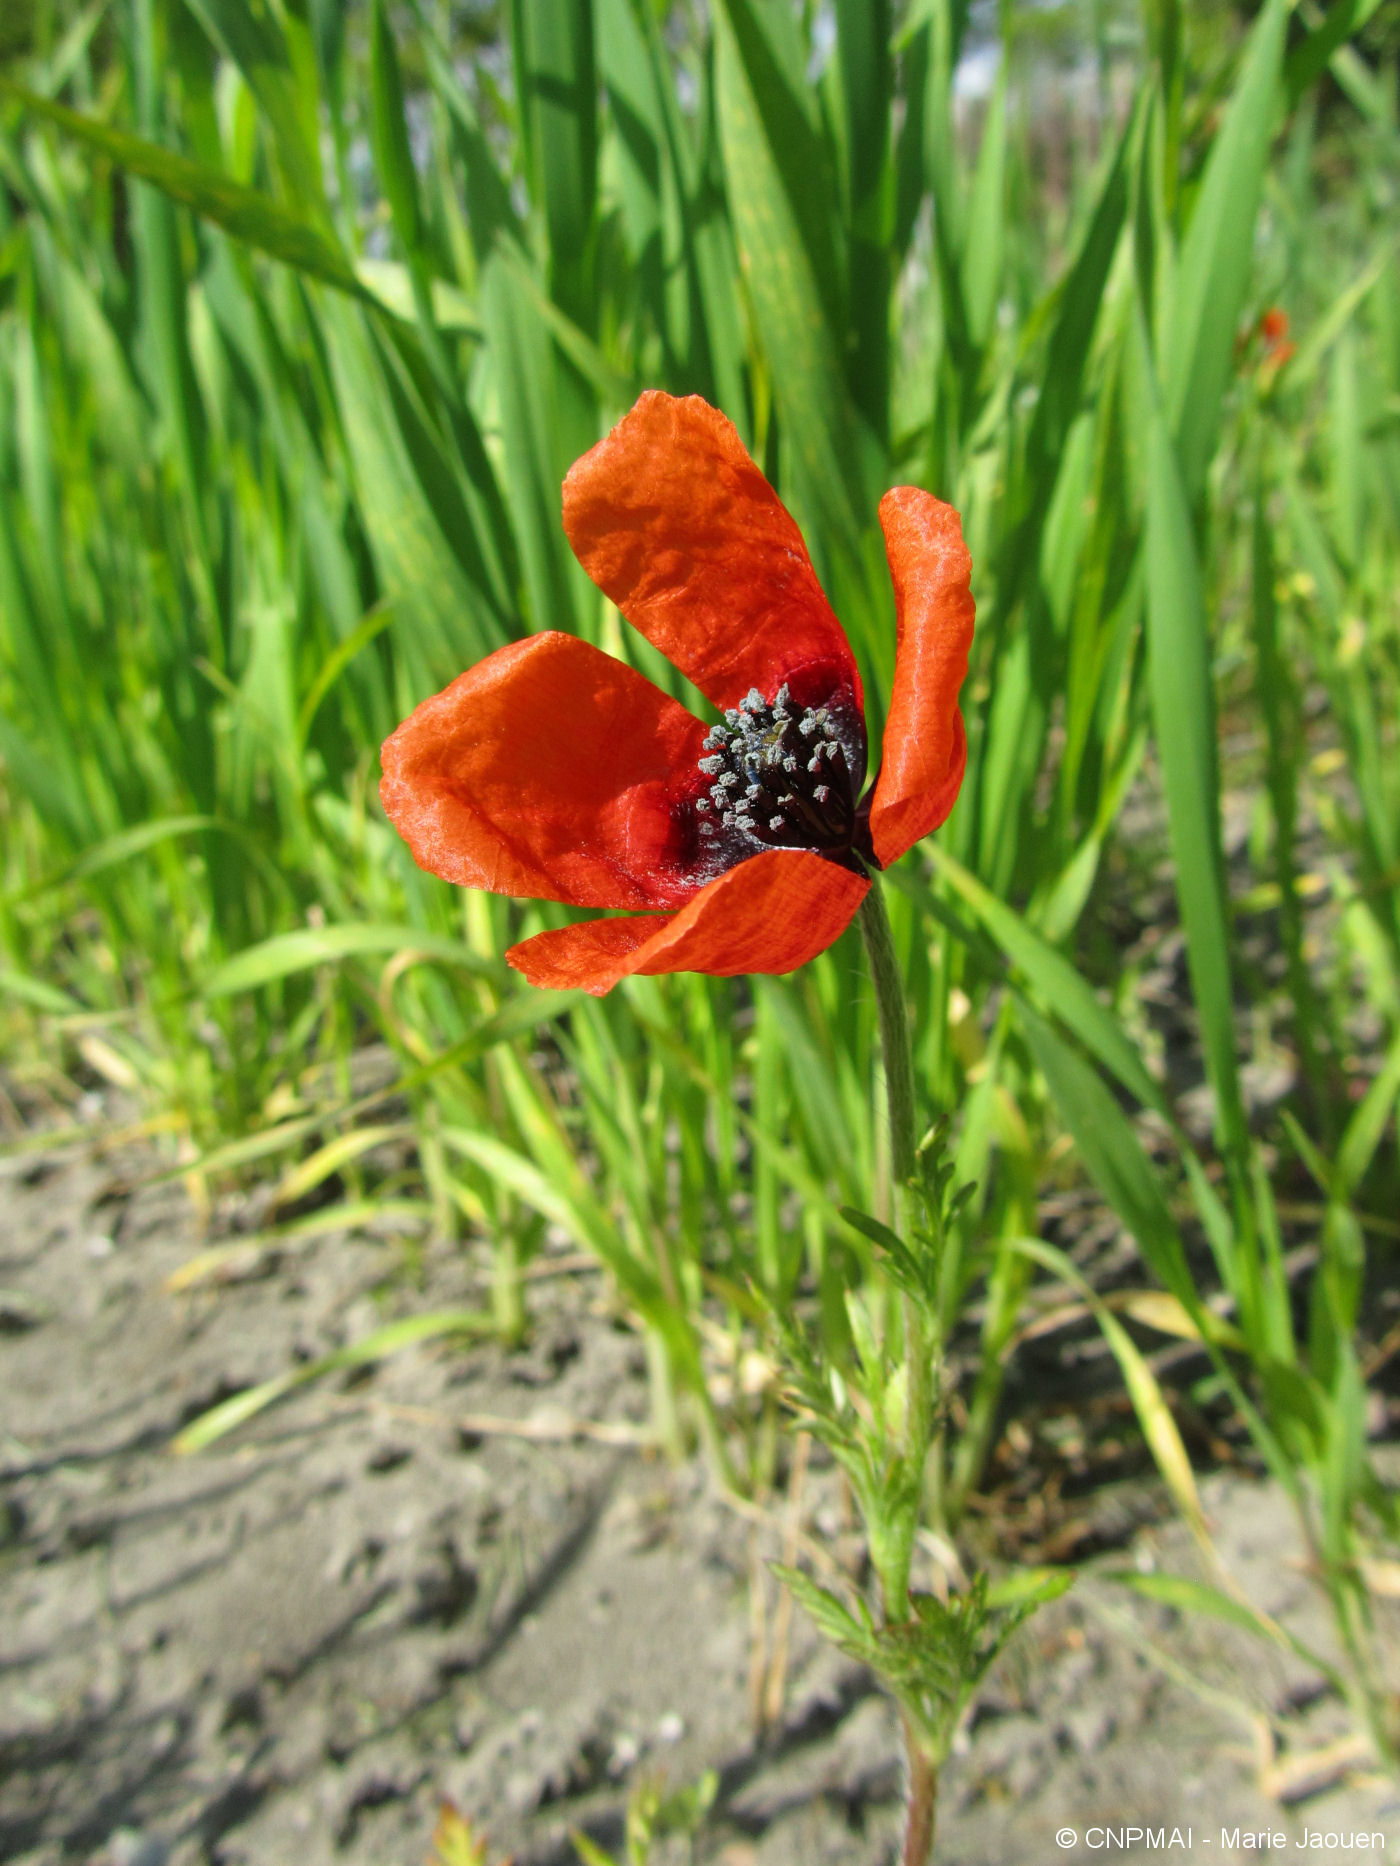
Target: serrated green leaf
column 872, row 1228
column 827, row 1613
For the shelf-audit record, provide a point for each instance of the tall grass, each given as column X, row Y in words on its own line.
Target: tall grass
column 305, row 311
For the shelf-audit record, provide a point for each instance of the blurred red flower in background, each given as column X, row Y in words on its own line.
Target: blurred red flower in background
column 1273, row 329
column 552, row 770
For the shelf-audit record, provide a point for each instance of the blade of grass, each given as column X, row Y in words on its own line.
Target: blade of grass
column 1213, row 272
column 1114, row 1158
column 287, row 953
column 1154, row 1415
column 1183, row 710
column 788, row 255
column 231, row 1413
column 254, row 218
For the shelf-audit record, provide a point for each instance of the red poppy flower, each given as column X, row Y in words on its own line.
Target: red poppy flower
column 552, row 770
column 1273, row 328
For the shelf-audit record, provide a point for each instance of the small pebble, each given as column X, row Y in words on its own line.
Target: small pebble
column 625, row 1751
column 127, row 1847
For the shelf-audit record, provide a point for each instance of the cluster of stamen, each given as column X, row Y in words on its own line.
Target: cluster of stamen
column 778, row 775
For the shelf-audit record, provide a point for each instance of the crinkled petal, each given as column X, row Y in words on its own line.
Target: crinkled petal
column 550, row 770
column 925, row 748
column 672, row 519
column 771, row 913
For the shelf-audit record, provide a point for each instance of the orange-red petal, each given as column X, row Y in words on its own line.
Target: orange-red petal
column 550, row 770
column 771, row 913
column 672, row 520
column 925, row 748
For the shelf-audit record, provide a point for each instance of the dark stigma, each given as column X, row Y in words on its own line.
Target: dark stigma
column 781, row 777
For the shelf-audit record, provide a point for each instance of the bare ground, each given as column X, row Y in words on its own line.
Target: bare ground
column 291, row 1648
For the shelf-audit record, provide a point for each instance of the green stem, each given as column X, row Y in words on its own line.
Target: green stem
column 921, row 1815
column 899, row 1092
column 894, row 1041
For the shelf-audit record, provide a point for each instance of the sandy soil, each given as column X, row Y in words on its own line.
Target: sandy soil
column 292, row 1647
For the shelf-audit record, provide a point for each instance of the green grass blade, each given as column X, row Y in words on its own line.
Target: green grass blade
column 1279, row 702
column 1154, row 1415
column 1113, row 1156
column 247, row 215
column 538, row 412
column 1213, row 271
column 229, row 1414
column 1197, row 1597
column 782, row 213
column 116, row 850
column 38, row 992
column 288, row 953
column 335, row 664
column 863, row 65
column 1055, row 982
column 1080, row 301
column 571, row 1204
column 1308, row 61
column 982, row 260
column 393, row 159
column 1324, row 331
column 1183, row 711
column 490, row 211
column 433, row 546
column 284, row 84
column 553, row 61
column 1366, row 1127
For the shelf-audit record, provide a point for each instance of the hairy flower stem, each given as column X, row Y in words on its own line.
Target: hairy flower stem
column 894, row 1042
column 922, row 1813
column 899, row 1091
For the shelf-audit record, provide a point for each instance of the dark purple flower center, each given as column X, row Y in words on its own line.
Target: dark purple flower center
column 784, row 778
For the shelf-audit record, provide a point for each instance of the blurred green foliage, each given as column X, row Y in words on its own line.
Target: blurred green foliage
column 304, row 312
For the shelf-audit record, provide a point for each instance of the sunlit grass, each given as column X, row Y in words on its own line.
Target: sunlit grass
column 258, row 497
